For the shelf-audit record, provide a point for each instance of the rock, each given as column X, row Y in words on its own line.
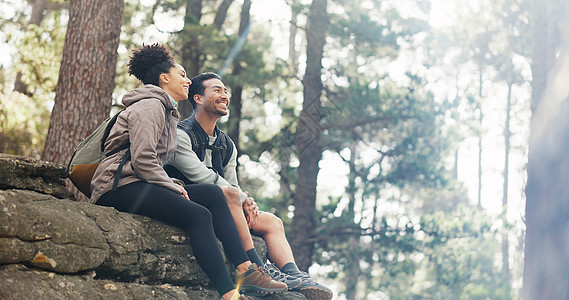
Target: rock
column 53, row 247
column 50, row 233
column 26, row 173
column 21, row 282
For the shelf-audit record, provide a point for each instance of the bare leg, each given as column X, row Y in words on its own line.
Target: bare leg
column 252, row 278
column 233, row 294
column 271, row 228
column 242, row 268
column 234, row 203
column 268, row 226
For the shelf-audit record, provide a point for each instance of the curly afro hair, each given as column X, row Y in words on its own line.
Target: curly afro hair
column 149, row 61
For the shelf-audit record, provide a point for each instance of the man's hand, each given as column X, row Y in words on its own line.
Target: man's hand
column 251, row 211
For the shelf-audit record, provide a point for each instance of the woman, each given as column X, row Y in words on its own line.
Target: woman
column 143, row 187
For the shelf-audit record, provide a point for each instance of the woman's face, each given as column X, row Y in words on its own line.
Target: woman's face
column 176, row 83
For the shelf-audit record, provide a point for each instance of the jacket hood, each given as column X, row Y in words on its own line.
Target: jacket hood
column 146, row 92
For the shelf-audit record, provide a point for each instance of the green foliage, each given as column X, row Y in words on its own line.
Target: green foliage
column 396, row 146
column 39, row 55
column 402, row 126
column 401, row 220
column 23, row 125
column 24, row 119
column 444, row 255
column 135, row 17
column 462, row 252
column 403, row 227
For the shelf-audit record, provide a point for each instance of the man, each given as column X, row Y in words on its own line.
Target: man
column 205, row 154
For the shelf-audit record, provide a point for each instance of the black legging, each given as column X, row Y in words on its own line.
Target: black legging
column 194, row 217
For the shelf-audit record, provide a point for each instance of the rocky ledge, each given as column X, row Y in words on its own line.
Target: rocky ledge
column 53, row 247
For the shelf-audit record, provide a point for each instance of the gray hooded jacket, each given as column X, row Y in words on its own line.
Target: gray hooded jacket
column 149, row 123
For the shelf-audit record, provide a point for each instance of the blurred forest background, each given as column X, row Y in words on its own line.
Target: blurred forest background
column 390, row 136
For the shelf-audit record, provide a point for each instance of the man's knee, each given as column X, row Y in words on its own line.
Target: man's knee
column 275, row 223
column 232, row 195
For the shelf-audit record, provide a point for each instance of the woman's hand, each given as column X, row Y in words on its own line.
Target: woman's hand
column 185, row 193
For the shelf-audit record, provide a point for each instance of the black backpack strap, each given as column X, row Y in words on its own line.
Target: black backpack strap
column 175, row 173
column 106, row 135
column 196, row 146
column 228, row 151
column 121, row 147
column 126, row 156
column 108, row 130
column 197, row 136
column 223, row 146
column 119, row 169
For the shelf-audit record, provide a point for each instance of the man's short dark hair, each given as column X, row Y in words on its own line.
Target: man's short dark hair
column 197, row 87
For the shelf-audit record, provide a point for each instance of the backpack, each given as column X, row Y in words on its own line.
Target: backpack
column 90, row 152
column 199, row 145
column 226, row 147
column 226, row 152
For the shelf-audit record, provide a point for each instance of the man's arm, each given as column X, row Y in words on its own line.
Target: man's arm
column 250, row 207
column 230, row 173
column 187, row 162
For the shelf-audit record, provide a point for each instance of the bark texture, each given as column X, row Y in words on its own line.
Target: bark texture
column 293, row 29
column 221, row 14
column 546, row 264
column 86, row 76
column 237, row 88
column 192, row 53
column 308, row 137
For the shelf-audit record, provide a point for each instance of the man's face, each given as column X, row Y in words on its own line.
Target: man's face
column 215, row 99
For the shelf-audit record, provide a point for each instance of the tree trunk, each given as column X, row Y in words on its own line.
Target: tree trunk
column 353, row 258
column 481, row 116
column 292, row 52
column 456, row 116
column 308, row 137
column 86, row 77
column 191, row 48
column 222, row 14
column 546, row 262
column 236, row 115
column 505, row 236
column 544, row 45
column 237, row 88
column 547, row 226
column 245, row 16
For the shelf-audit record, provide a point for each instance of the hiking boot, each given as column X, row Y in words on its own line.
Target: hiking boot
column 257, row 280
column 311, row 289
column 239, row 297
column 277, row 275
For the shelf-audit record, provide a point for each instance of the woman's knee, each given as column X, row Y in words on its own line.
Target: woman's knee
column 206, row 194
column 200, row 215
column 215, row 192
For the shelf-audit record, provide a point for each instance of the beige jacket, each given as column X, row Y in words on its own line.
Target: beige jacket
column 149, row 122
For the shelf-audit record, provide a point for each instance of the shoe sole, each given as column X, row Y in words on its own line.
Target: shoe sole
column 294, row 286
column 315, row 293
column 251, row 289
